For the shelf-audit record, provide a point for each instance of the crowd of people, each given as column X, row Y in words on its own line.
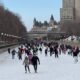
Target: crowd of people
column 31, row 57
column 31, row 52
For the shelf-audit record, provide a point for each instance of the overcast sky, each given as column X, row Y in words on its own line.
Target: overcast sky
column 28, row 9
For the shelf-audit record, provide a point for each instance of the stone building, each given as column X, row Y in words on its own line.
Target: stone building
column 77, row 9
column 67, row 12
column 70, row 10
column 38, row 32
column 45, row 29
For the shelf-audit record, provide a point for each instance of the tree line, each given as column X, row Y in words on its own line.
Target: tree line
column 10, row 23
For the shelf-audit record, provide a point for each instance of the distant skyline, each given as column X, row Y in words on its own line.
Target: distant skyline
column 28, row 9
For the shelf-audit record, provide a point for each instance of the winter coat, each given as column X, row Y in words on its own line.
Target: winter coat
column 40, row 49
column 51, row 49
column 75, row 52
column 27, row 51
column 30, row 58
column 26, row 61
column 9, row 50
column 55, row 50
column 46, row 50
column 34, row 60
column 13, row 52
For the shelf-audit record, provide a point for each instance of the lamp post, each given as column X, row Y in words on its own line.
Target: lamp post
column 5, row 37
column 2, row 36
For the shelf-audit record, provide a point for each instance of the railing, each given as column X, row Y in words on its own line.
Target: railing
column 4, row 44
column 46, row 33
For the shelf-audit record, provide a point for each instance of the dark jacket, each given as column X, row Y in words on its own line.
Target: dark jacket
column 51, row 49
column 13, row 52
column 76, row 52
column 35, row 59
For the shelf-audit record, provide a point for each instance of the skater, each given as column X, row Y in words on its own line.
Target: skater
column 56, row 51
column 46, row 51
column 40, row 49
column 26, row 64
column 9, row 50
column 35, row 50
column 35, row 61
column 51, row 50
column 21, row 49
column 19, row 54
column 30, row 58
column 27, row 51
column 75, row 54
column 13, row 53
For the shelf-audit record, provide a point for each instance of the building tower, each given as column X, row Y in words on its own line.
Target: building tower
column 77, row 7
column 51, row 22
column 67, row 12
column 68, row 3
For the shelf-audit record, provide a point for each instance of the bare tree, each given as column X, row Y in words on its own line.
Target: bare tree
column 11, row 23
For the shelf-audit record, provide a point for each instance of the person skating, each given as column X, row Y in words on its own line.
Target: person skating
column 51, row 50
column 19, row 54
column 40, row 49
column 35, row 50
column 27, row 51
column 26, row 64
column 56, row 51
column 46, row 51
column 13, row 53
column 30, row 58
column 9, row 50
column 35, row 61
column 75, row 53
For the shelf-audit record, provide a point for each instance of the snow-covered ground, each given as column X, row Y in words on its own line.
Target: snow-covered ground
column 71, row 37
column 50, row 68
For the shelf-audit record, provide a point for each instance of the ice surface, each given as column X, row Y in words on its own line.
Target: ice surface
column 50, row 68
